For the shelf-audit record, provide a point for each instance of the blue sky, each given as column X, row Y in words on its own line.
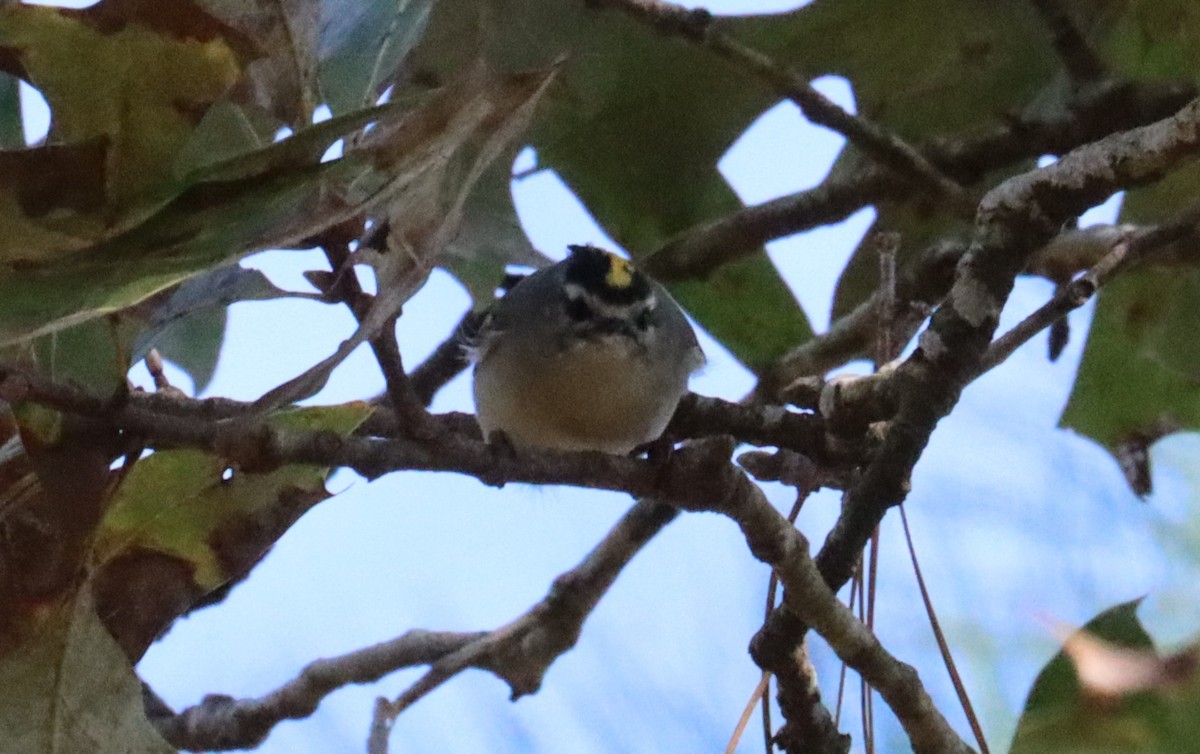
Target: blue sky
column 1017, row 524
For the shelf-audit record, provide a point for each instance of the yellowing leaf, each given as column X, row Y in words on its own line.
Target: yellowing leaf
column 181, row 503
column 267, row 198
column 138, row 74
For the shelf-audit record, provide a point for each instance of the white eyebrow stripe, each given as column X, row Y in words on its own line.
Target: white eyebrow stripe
column 605, row 309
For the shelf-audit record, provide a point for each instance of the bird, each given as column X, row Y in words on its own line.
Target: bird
column 586, row 354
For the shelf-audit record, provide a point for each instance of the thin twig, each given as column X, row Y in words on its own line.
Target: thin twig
column 943, row 646
column 446, row 362
column 521, row 651
column 886, row 245
column 855, row 583
column 1091, row 113
column 872, row 578
column 874, row 140
column 345, row 287
column 154, row 365
column 1129, row 248
column 221, row 723
column 761, row 691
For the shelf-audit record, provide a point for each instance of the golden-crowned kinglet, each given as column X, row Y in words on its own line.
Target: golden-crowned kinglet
column 588, row 354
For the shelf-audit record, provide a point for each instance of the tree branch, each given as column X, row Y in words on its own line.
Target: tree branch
column 221, row 723
column 1015, row 219
column 1130, row 248
column 1092, row 113
column 695, row 478
column 880, row 144
column 773, row 540
column 522, row 651
column 698, row 251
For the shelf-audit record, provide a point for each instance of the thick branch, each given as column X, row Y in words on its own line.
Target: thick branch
column 773, row 540
column 196, row 423
column 1015, row 219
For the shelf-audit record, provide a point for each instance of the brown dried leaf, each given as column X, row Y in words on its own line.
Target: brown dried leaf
column 1107, row 670
column 284, row 80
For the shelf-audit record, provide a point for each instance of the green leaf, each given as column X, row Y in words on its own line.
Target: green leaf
column 226, row 132
column 362, row 45
column 1154, row 40
column 206, row 226
column 1137, row 379
column 491, row 237
column 188, row 327
column 68, row 688
column 95, row 354
column 1138, row 375
column 1135, row 375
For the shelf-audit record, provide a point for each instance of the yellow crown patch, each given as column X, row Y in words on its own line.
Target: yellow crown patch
column 620, row 272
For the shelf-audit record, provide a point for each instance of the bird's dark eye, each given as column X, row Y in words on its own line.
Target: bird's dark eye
column 642, row 320
column 578, row 310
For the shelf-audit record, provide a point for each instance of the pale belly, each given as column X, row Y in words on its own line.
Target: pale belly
column 598, row 398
